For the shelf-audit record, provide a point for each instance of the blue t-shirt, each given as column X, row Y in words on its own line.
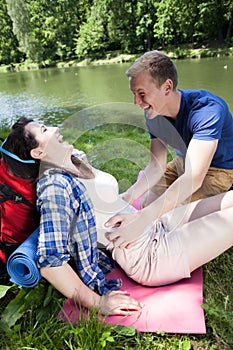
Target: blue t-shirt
column 202, row 116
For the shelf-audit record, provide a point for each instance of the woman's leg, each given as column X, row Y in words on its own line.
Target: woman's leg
column 207, row 237
column 195, row 210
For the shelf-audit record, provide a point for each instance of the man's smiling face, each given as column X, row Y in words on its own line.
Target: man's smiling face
column 147, row 95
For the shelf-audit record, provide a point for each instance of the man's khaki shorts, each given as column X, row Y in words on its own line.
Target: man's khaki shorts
column 216, row 181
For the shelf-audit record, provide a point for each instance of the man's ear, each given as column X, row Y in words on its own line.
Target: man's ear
column 37, row 153
column 168, row 86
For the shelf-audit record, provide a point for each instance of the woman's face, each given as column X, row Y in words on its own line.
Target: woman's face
column 50, row 141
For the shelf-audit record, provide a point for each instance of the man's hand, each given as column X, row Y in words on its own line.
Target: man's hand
column 127, row 197
column 147, row 199
column 118, row 303
column 126, row 228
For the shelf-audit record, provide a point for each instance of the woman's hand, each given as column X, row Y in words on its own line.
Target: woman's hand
column 126, row 228
column 118, row 303
column 65, row 279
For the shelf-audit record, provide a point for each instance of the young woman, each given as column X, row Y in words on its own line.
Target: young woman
column 167, row 250
column 67, row 249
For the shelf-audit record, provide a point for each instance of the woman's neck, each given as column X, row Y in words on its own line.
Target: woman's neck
column 62, row 160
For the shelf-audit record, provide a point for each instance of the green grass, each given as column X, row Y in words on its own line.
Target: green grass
column 38, row 327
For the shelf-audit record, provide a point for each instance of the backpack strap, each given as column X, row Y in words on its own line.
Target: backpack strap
column 8, row 194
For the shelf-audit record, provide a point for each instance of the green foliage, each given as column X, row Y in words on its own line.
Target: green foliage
column 46, row 31
column 92, row 34
column 3, row 290
column 9, row 52
column 5, row 128
column 53, row 26
column 43, row 299
column 176, row 21
column 20, row 15
column 212, row 19
column 122, row 23
column 144, row 30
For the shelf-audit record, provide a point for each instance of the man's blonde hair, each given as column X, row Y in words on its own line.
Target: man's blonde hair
column 158, row 65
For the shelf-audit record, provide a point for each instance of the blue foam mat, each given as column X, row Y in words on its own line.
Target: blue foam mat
column 21, row 264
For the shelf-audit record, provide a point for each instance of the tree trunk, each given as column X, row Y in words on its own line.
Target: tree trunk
column 230, row 27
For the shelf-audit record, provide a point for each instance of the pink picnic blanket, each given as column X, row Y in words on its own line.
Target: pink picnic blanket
column 175, row 308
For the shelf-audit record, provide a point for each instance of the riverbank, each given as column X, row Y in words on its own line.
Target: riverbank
column 118, row 58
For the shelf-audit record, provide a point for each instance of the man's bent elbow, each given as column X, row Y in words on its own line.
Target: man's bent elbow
column 197, row 183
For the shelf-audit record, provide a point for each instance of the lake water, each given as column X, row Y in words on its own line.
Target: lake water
column 52, row 95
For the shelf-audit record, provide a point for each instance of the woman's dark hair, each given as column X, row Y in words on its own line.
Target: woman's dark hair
column 20, row 142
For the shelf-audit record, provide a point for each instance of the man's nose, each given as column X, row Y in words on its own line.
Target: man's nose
column 137, row 100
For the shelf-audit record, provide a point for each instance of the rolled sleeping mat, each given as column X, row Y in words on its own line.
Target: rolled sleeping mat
column 22, row 266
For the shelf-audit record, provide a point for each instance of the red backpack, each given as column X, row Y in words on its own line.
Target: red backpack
column 17, row 211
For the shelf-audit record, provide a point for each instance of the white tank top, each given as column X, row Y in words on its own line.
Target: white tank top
column 104, row 193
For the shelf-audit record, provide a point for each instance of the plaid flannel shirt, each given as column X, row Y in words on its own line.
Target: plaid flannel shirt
column 68, row 230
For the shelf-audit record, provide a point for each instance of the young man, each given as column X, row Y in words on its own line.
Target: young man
column 196, row 123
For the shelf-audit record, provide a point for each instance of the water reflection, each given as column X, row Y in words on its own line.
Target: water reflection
column 52, row 95
column 31, row 106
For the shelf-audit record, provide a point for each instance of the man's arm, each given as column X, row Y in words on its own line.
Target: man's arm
column 151, row 174
column 198, row 160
